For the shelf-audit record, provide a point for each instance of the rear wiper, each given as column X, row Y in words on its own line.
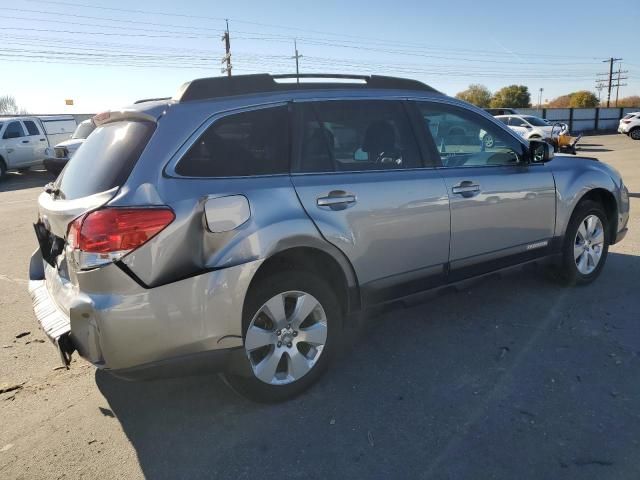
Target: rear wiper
column 52, row 189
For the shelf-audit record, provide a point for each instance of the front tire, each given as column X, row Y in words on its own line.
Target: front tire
column 635, row 133
column 586, row 244
column 291, row 326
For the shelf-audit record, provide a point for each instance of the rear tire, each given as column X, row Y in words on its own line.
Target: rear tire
column 586, row 244
column 278, row 363
column 3, row 168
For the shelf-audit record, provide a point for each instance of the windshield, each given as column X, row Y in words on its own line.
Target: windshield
column 536, row 121
column 83, row 130
column 109, row 154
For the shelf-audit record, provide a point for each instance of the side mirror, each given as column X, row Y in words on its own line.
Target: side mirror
column 539, row 151
column 528, row 127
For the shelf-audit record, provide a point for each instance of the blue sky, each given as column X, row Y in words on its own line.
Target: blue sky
column 110, row 56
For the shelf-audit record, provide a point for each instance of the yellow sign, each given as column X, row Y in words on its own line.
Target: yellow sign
column 68, row 101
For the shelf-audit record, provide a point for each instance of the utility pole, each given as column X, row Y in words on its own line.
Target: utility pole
column 618, row 84
column 540, row 100
column 227, row 46
column 297, row 56
column 610, row 75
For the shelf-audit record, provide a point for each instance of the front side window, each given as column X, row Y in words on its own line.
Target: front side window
column 241, row 144
column 355, row 135
column 14, row 130
column 517, row 122
column 465, row 139
column 536, row 122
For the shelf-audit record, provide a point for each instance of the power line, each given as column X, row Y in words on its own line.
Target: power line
column 340, row 35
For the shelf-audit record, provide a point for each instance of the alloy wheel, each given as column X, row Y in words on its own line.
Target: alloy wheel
column 286, row 337
column 589, row 244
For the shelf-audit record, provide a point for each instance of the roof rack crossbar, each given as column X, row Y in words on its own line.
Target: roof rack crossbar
column 217, row 87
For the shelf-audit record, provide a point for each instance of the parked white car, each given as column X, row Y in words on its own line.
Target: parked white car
column 630, row 125
column 24, row 140
column 58, row 156
column 528, row 127
column 532, row 128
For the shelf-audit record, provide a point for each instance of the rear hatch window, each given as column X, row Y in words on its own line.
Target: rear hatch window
column 105, row 159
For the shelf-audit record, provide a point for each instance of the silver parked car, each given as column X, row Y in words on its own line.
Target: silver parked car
column 239, row 225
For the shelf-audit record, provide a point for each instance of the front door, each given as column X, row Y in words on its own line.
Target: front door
column 19, row 148
column 359, row 174
column 502, row 207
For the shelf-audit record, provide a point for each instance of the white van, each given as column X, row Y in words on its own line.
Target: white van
column 24, row 140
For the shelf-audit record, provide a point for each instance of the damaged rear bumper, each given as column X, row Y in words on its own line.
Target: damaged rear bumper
column 191, row 325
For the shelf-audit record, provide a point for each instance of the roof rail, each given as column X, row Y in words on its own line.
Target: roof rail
column 145, row 100
column 216, row 87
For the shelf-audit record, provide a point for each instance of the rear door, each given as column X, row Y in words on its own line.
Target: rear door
column 502, row 208
column 359, row 174
column 36, row 139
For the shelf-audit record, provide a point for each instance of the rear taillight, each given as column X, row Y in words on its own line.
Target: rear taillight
column 107, row 235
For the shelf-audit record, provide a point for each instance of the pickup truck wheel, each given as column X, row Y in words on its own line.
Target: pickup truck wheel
column 586, row 244
column 635, row 133
column 292, row 324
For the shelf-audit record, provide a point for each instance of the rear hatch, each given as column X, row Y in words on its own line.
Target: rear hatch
column 91, row 178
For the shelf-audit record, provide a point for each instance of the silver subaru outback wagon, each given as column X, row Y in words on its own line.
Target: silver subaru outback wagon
column 237, row 226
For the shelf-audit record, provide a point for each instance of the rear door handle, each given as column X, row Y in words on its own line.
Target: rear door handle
column 43, row 139
column 337, row 200
column 466, row 188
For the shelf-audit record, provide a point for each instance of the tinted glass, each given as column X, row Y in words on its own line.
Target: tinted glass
column 83, row 130
column 106, row 159
column 354, row 136
column 14, row 130
column 31, row 127
column 465, row 139
column 249, row 143
column 536, row 121
column 517, row 122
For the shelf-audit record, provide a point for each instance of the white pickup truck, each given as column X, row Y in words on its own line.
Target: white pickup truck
column 24, row 140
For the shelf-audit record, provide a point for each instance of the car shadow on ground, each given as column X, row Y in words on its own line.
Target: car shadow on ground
column 580, row 148
column 511, row 377
column 23, row 180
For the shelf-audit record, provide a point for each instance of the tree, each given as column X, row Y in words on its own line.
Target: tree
column 562, row 101
column 579, row 99
column 632, row 101
column 514, row 96
column 8, row 105
column 476, row 94
column 583, row 99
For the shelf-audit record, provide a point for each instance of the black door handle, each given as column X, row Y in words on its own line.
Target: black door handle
column 25, row 141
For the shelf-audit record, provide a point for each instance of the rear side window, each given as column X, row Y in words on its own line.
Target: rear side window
column 241, row 144
column 106, row 159
column 14, row 130
column 355, row 135
column 31, row 127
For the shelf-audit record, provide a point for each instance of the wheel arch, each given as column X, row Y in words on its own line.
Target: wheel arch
column 608, row 201
column 320, row 260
